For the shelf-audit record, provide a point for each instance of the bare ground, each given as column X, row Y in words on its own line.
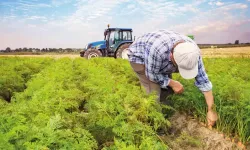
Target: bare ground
column 188, row 134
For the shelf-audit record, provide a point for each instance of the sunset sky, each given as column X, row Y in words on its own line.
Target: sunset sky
column 74, row 23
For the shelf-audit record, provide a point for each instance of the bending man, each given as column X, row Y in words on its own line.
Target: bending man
column 155, row 56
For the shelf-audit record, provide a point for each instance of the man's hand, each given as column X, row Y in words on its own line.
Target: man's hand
column 176, row 86
column 211, row 118
column 211, row 114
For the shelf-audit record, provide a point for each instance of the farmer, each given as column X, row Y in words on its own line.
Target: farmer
column 155, row 56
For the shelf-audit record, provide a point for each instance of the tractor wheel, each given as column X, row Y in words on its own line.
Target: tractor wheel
column 82, row 54
column 91, row 53
column 122, row 51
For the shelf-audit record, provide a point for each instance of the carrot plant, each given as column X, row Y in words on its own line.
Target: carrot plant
column 80, row 104
column 117, row 108
column 45, row 115
column 99, row 104
column 15, row 72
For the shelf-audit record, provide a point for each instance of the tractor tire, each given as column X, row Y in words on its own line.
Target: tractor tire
column 122, row 51
column 91, row 53
column 81, row 54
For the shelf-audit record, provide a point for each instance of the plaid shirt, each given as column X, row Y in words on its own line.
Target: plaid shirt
column 153, row 50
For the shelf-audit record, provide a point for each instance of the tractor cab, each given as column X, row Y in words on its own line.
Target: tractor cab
column 117, row 36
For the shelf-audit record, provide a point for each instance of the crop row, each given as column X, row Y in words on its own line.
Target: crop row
column 15, row 72
column 98, row 103
column 80, row 104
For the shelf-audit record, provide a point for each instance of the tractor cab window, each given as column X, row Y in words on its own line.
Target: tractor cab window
column 127, row 35
column 113, row 37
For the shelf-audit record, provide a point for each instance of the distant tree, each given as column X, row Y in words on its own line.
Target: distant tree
column 68, row 49
column 229, row 43
column 7, row 49
column 25, row 49
column 237, row 42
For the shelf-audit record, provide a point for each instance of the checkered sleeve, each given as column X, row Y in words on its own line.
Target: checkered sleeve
column 153, row 65
column 201, row 80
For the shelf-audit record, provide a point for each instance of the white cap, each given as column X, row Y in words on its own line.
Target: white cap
column 186, row 55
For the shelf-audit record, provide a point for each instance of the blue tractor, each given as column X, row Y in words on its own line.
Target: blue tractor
column 115, row 44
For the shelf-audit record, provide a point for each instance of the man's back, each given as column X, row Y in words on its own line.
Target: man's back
column 161, row 40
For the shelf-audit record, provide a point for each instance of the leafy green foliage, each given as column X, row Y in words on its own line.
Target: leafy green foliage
column 80, row 104
column 15, row 72
column 98, row 104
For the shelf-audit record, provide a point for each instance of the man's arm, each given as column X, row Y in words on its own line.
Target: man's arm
column 209, row 99
column 203, row 83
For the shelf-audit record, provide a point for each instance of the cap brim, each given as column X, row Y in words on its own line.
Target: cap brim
column 189, row 74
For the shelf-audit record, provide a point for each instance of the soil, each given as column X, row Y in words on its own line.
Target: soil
column 187, row 133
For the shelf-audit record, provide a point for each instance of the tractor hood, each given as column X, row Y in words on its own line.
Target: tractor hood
column 97, row 44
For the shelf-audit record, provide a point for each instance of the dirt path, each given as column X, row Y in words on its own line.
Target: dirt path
column 189, row 134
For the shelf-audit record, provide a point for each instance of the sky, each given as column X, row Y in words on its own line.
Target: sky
column 74, row 23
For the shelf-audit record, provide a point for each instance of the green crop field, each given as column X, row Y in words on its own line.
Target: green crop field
column 70, row 103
